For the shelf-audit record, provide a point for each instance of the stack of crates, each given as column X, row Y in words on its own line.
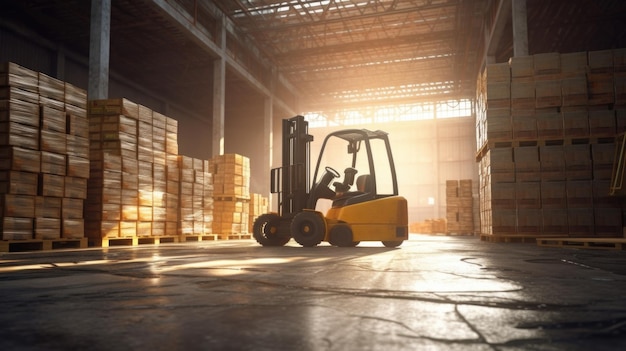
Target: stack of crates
column 231, row 184
column 258, row 205
column 128, row 193
column 459, row 206
column 44, row 159
column 546, row 152
column 196, row 197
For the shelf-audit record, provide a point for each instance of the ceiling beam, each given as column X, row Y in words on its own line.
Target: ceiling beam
column 188, row 26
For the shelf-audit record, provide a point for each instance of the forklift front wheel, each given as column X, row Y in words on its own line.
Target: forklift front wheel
column 265, row 230
column 308, row 228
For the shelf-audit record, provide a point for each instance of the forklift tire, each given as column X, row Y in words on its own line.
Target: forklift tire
column 392, row 243
column 308, row 228
column 265, row 230
column 341, row 235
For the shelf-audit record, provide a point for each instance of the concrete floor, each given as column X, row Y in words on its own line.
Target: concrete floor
column 432, row 293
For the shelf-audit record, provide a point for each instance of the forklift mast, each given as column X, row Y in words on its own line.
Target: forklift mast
column 291, row 180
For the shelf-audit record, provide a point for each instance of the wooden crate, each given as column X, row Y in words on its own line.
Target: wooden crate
column 521, row 66
column 548, row 93
column 12, row 205
column 575, row 122
column 20, row 159
column 47, row 228
column 18, row 182
column 16, row 228
column 524, row 123
column 553, row 195
column 574, row 91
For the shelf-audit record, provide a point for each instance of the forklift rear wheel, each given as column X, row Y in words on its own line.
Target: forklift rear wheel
column 392, row 243
column 308, row 228
column 265, row 230
column 341, row 235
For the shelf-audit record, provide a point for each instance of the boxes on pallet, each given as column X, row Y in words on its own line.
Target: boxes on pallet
column 528, row 195
column 580, row 221
column 619, row 83
column 16, row 228
column 459, row 206
column 549, row 124
column 52, row 114
column 579, row 194
column 574, row 91
column 552, row 162
column 529, row 221
column 555, row 221
column 553, row 195
column 548, row 92
column 527, row 165
column 575, row 122
column 521, row 66
column 602, row 123
column 577, row 162
column 573, row 64
column 602, row 156
column 123, row 128
column 546, row 63
column 231, row 193
column 600, row 87
column 524, row 124
column 600, row 61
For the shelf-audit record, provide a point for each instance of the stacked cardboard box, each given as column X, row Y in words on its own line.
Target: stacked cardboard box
column 429, row 226
column 130, row 188
column 44, row 159
column 459, row 206
column 231, row 193
column 259, row 205
column 196, row 197
column 550, row 176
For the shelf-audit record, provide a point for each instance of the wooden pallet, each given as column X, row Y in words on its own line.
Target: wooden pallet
column 585, row 243
column 106, row 242
column 41, row 244
column 133, row 241
column 156, row 240
column 234, row 236
column 199, row 237
column 512, row 238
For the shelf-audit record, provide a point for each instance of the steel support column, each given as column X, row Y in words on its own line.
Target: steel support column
column 520, row 28
column 268, row 149
column 219, row 97
column 99, row 49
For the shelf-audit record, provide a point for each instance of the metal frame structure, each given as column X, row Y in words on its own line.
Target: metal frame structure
column 316, row 55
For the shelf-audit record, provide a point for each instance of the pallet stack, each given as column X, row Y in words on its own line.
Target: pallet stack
column 546, row 127
column 231, row 194
column 429, row 226
column 130, row 189
column 196, row 198
column 459, row 207
column 259, row 205
column 44, row 159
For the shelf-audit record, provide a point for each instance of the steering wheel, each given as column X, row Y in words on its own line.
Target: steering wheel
column 332, row 171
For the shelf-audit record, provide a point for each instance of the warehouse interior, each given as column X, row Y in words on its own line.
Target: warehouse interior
column 140, row 142
column 225, row 70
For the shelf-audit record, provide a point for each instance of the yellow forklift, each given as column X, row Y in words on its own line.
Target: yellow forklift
column 364, row 206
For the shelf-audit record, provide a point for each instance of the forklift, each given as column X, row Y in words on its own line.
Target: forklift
column 364, row 206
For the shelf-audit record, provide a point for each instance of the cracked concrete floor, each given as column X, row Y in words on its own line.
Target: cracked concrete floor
column 432, row 293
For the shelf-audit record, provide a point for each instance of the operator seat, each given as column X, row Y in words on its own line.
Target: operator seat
column 365, row 192
column 364, row 183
